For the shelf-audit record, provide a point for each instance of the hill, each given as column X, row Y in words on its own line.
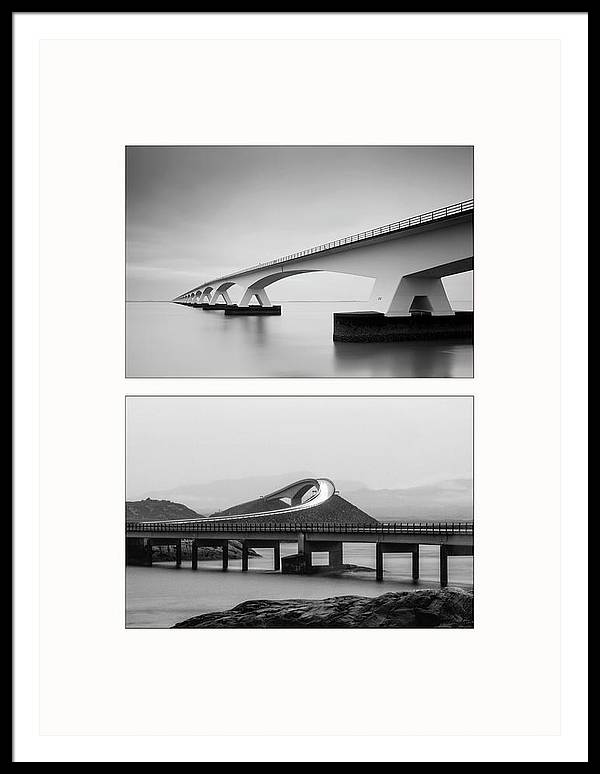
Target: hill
column 336, row 510
column 157, row 510
column 445, row 500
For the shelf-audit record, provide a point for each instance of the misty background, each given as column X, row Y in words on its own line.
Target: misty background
column 195, row 213
column 396, row 458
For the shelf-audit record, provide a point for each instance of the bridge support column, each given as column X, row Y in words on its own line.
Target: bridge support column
column 210, row 543
column 443, row 566
column 379, row 562
column 419, row 294
column 396, row 548
column 336, row 555
column 302, row 563
column 445, row 552
column 415, row 564
column 258, row 292
column 264, row 304
column 224, row 295
column 257, row 543
column 166, row 542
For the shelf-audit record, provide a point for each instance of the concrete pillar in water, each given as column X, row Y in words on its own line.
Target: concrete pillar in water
column 194, row 554
column 336, row 555
column 429, row 290
column 178, row 553
column 415, row 564
column 301, row 539
column 225, row 549
column 443, row 566
column 379, row 562
column 307, row 556
column 255, row 291
column 244, row 556
column 277, row 555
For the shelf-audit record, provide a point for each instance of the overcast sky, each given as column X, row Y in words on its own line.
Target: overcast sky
column 381, row 442
column 198, row 212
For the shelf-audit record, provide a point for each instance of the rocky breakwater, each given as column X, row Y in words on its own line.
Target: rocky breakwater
column 450, row 608
column 205, row 553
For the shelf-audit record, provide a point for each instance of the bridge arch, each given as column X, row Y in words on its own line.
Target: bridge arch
column 221, row 292
column 206, row 294
column 258, row 288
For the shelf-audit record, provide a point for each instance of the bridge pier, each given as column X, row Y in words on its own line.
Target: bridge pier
column 450, row 550
column 165, row 542
column 376, row 327
column 396, row 548
column 335, row 549
column 252, row 311
column 211, row 543
column 274, row 544
column 301, row 563
column 422, row 294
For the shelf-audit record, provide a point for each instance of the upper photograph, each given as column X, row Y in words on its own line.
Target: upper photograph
column 299, row 261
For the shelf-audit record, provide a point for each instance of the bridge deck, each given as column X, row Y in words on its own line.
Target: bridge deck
column 425, row 218
column 417, row 532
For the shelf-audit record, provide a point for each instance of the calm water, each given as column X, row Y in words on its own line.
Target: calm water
column 162, row 595
column 165, row 339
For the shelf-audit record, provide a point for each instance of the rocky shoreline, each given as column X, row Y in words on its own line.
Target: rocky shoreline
column 450, row 608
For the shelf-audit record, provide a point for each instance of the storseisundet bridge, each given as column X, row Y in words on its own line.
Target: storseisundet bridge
column 308, row 519
column 407, row 260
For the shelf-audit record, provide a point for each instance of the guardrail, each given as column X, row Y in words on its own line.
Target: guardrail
column 400, row 225
column 403, row 528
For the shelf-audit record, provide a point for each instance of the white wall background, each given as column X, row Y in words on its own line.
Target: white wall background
column 417, row 79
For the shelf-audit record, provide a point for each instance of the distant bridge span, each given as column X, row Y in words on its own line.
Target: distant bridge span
column 407, row 260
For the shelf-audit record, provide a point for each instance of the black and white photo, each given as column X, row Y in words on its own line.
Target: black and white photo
column 299, row 261
column 315, row 512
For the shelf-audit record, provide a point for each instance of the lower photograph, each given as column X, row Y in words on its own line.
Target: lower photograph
column 299, row 512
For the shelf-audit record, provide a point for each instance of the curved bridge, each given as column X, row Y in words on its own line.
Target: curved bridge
column 407, row 259
column 453, row 538
column 320, row 489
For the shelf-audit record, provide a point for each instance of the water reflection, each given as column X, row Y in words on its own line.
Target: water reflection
column 162, row 595
column 173, row 341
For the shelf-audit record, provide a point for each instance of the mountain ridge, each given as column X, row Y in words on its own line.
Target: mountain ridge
column 447, row 499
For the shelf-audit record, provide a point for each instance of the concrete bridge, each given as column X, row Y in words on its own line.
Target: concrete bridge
column 309, row 513
column 406, row 259
column 453, row 539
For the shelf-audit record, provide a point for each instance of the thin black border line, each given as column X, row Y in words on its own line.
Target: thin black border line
column 341, row 145
column 127, row 396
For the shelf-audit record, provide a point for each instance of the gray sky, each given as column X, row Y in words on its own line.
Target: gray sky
column 198, row 212
column 382, row 442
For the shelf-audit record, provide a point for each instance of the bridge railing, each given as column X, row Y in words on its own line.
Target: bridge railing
column 403, row 528
column 400, row 225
